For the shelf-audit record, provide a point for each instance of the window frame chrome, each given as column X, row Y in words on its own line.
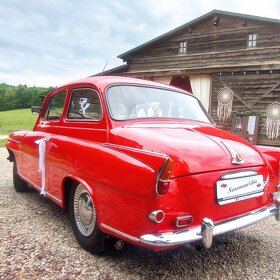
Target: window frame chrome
column 83, row 120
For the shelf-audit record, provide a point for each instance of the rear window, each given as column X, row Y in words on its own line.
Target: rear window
column 131, row 102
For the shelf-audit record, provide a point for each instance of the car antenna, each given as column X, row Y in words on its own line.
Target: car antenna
column 105, row 67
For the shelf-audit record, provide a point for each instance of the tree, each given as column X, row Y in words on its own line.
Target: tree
column 21, row 96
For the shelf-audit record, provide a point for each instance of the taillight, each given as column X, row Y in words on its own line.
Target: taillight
column 164, row 177
column 162, row 187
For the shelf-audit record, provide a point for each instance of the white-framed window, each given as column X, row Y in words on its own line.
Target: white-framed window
column 183, row 47
column 252, row 40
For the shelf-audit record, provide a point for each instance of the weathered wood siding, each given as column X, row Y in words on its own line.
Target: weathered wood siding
column 221, row 51
column 211, row 47
column 251, row 88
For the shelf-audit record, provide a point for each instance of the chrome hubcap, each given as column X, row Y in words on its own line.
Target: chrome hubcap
column 84, row 210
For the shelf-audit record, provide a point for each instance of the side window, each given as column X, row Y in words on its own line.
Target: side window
column 252, row 40
column 84, row 105
column 183, row 47
column 55, row 108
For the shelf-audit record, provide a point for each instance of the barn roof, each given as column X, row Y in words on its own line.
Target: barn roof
column 196, row 20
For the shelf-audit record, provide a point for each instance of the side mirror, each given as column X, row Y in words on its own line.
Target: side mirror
column 36, row 110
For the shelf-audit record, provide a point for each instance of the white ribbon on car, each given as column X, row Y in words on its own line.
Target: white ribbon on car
column 42, row 164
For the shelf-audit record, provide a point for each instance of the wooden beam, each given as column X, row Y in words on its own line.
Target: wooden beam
column 266, row 93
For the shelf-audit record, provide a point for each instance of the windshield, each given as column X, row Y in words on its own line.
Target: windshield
column 132, row 102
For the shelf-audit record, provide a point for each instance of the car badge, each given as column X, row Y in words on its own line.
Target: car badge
column 236, row 158
column 239, row 157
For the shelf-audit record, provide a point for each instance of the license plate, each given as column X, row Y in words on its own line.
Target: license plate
column 234, row 190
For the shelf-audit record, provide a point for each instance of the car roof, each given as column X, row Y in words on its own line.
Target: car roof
column 104, row 81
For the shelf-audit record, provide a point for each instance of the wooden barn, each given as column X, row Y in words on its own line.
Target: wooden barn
column 230, row 61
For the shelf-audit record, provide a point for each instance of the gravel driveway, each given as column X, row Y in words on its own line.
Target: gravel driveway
column 36, row 242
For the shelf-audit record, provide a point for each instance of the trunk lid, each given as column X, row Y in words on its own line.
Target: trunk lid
column 194, row 147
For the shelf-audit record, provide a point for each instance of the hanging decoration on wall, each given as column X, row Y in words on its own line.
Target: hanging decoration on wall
column 273, row 121
column 225, row 98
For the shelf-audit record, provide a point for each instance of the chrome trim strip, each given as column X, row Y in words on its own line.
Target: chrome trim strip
column 240, row 174
column 134, row 149
column 240, row 198
column 235, row 157
column 16, row 141
column 125, row 235
column 29, row 182
column 39, row 189
column 54, row 197
column 181, row 237
column 266, row 181
column 269, row 147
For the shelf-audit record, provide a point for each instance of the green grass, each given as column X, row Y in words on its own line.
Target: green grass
column 10, row 121
column 3, row 142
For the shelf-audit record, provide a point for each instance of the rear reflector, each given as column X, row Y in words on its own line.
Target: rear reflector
column 184, row 221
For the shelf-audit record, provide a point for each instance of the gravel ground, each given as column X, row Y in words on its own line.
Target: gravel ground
column 36, row 242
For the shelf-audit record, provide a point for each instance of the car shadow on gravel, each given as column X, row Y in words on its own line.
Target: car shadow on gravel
column 227, row 253
column 230, row 252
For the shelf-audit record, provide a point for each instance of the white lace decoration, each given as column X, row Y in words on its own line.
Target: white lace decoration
column 42, row 164
column 225, row 98
column 272, row 123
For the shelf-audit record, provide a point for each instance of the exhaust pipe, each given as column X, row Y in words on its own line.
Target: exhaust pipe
column 119, row 244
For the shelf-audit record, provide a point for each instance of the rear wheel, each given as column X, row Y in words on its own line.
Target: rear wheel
column 84, row 221
column 19, row 184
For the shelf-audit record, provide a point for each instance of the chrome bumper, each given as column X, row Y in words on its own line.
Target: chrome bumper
column 208, row 229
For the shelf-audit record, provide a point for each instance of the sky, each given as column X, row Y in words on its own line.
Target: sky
column 52, row 42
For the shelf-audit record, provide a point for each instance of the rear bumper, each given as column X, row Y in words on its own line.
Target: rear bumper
column 208, row 229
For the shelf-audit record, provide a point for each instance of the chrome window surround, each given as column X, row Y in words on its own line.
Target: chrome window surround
column 211, row 121
column 84, row 120
column 47, row 110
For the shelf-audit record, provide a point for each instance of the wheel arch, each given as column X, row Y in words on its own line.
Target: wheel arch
column 69, row 182
column 11, row 156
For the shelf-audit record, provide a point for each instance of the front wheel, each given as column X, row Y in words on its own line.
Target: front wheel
column 19, row 184
column 84, row 221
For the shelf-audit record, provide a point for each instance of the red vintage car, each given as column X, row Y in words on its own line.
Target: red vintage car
column 143, row 163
